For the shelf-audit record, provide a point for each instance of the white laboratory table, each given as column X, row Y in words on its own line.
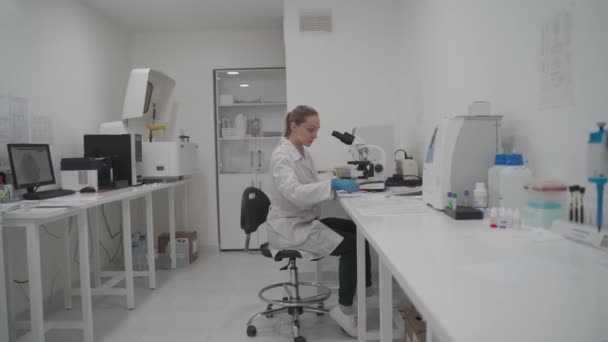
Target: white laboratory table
column 472, row 283
column 33, row 214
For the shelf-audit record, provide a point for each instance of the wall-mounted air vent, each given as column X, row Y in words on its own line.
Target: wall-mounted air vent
column 318, row 20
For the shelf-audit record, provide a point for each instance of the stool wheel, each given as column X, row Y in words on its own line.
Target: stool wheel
column 251, row 331
column 299, row 339
column 320, row 306
column 269, row 307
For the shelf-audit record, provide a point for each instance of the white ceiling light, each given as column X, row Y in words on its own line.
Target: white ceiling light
column 244, row 85
column 232, row 72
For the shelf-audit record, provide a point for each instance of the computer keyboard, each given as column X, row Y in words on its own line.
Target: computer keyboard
column 46, row 194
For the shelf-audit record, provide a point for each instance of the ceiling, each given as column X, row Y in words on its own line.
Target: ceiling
column 192, row 15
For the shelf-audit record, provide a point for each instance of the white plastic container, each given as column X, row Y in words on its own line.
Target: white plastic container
column 512, row 178
column 240, row 125
column 493, row 172
column 480, row 196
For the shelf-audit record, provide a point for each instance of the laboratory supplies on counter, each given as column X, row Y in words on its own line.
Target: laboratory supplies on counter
column 480, row 196
column 547, row 202
column 464, row 213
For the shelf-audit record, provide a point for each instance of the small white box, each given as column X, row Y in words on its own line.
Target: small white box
column 228, row 132
column 226, row 99
column 480, row 108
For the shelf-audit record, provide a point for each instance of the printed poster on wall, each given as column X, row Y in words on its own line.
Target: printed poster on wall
column 556, row 74
column 14, row 125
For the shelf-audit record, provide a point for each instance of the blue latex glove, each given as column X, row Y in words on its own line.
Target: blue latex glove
column 344, row 184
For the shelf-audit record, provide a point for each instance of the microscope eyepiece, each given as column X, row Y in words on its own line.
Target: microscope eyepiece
column 345, row 137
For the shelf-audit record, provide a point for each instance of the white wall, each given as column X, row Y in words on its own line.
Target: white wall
column 71, row 64
column 351, row 76
column 190, row 58
column 490, row 50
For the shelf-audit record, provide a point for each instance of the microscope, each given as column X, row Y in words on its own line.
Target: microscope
column 369, row 159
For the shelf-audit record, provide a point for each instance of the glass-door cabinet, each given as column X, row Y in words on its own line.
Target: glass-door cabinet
column 250, row 108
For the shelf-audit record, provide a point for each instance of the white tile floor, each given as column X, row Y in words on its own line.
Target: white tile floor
column 209, row 301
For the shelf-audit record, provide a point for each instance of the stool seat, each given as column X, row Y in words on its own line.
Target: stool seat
column 283, row 254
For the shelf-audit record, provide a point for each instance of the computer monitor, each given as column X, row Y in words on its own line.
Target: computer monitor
column 31, row 165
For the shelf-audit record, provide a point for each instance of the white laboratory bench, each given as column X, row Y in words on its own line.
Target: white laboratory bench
column 472, row 283
column 33, row 214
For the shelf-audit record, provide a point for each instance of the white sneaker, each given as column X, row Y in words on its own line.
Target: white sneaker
column 347, row 322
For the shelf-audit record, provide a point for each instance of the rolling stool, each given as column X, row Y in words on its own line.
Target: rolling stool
column 292, row 303
column 254, row 209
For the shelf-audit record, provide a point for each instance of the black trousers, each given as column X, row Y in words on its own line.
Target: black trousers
column 347, row 251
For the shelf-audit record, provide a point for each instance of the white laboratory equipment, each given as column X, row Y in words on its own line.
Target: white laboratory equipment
column 459, row 154
column 406, row 166
column 169, row 159
column 146, row 111
column 148, row 94
column 370, row 160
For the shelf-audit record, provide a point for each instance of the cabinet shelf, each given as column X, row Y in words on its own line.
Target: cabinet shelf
column 254, row 104
column 244, row 161
column 249, row 138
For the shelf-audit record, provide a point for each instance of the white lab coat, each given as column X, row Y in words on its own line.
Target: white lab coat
column 295, row 195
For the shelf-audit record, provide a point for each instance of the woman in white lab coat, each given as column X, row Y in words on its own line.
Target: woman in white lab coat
column 293, row 221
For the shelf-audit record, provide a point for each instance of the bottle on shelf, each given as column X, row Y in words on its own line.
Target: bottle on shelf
column 240, row 125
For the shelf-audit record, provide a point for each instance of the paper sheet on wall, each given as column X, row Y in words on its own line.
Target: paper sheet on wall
column 556, row 74
column 14, row 127
column 6, row 124
column 41, row 129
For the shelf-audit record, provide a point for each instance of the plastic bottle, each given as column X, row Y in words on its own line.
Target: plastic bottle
column 503, row 220
column 480, row 196
column 135, row 250
column 511, row 180
column 493, row 172
column 240, row 125
column 493, row 218
column 516, row 219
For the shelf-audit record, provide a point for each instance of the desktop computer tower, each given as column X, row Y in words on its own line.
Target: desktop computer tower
column 125, row 151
